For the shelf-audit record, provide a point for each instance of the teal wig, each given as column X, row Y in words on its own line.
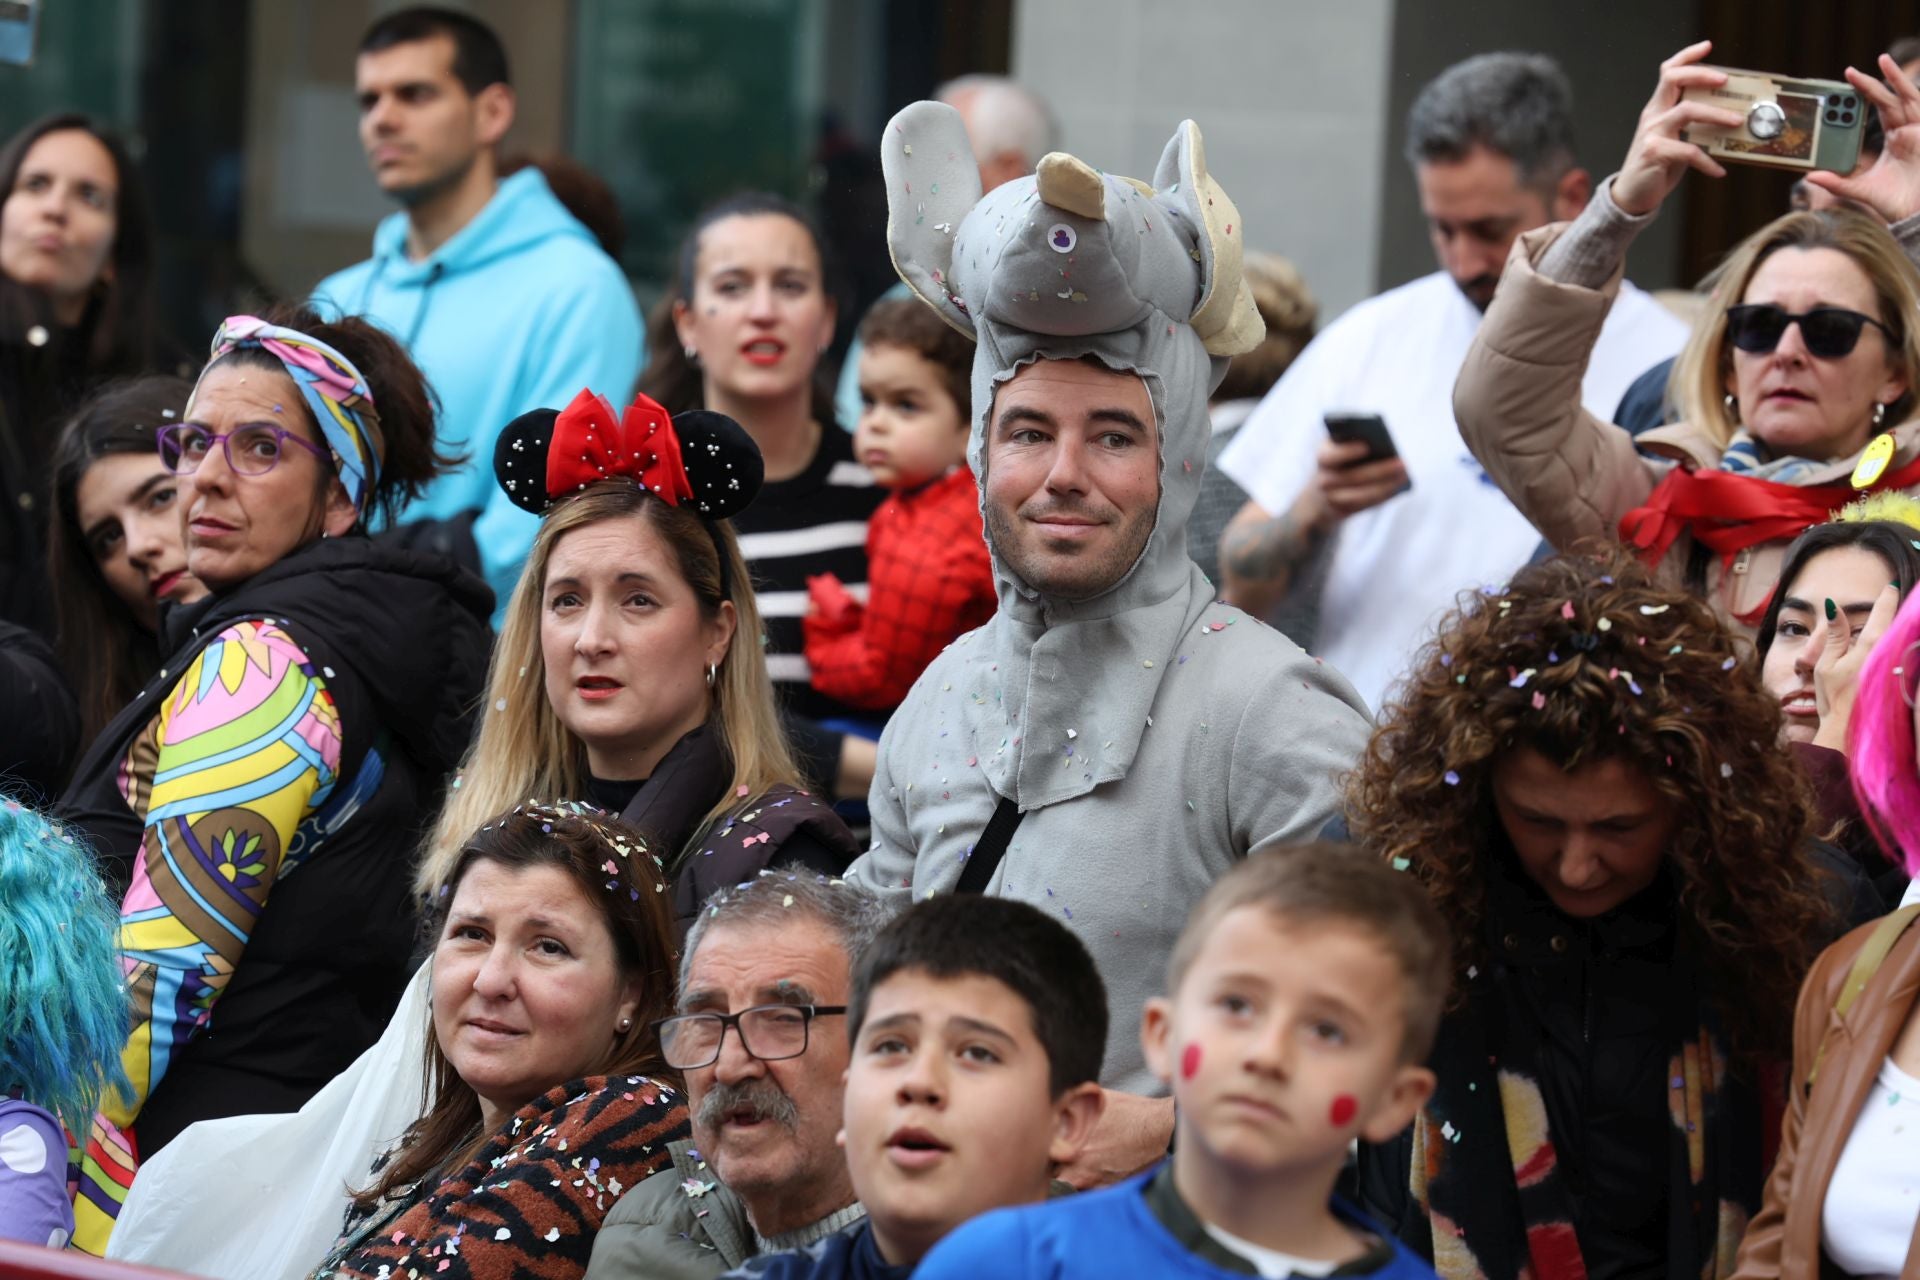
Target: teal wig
column 63, row 997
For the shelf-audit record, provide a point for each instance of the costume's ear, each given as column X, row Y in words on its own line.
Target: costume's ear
column 932, row 181
column 1227, row 320
column 520, row 459
column 724, row 466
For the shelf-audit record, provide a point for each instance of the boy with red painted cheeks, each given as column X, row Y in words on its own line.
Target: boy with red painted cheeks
column 1303, row 995
column 978, row 1025
column 929, row 580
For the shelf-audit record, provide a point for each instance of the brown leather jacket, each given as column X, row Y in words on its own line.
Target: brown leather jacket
column 1783, row 1241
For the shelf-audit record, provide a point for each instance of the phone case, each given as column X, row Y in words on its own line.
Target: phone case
column 1790, row 124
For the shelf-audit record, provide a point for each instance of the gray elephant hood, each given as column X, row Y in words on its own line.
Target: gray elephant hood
column 1071, row 262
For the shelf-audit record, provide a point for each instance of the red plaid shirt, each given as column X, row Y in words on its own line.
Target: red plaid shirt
column 928, row 582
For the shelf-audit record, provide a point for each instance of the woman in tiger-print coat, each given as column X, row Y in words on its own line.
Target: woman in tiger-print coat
column 553, row 962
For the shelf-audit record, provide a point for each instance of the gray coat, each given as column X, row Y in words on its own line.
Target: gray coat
column 659, row 1231
column 1150, row 736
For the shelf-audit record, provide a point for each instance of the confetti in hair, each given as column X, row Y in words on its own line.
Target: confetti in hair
column 63, row 1001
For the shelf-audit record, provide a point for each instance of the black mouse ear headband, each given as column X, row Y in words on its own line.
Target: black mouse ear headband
column 703, row 461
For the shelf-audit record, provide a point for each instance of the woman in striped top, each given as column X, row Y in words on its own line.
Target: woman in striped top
column 752, row 315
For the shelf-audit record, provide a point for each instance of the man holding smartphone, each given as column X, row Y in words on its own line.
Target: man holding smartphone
column 1490, row 141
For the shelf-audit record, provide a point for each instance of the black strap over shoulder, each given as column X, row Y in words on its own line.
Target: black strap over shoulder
column 990, row 848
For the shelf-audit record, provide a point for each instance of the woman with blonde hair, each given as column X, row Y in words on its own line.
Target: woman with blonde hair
column 628, row 673
column 1794, row 392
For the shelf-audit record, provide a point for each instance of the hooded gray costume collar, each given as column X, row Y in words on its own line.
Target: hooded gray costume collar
column 1067, row 263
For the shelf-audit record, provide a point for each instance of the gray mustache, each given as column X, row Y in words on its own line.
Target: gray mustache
column 762, row 1098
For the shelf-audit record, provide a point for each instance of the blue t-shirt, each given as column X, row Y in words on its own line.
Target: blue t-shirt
column 849, row 1254
column 1125, row 1231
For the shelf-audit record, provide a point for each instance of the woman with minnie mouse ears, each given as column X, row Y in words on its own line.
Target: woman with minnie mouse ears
column 628, row 675
column 629, row 672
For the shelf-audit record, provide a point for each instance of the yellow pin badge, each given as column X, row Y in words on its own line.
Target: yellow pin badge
column 1873, row 463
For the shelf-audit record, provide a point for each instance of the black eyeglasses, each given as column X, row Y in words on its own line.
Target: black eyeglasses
column 252, row 450
column 1828, row 332
column 768, row 1032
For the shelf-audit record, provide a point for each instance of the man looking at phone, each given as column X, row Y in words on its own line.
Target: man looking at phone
column 1491, row 144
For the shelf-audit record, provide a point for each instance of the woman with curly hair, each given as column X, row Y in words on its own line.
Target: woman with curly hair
column 1586, row 773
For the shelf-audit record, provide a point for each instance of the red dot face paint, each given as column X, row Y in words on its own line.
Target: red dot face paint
column 1190, row 1062
column 1343, row 1110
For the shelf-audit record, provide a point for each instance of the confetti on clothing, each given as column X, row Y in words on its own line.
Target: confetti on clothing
column 529, row 1204
column 243, row 750
column 929, row 582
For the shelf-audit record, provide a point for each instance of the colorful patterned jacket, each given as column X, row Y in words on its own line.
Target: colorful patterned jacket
column 259, row 804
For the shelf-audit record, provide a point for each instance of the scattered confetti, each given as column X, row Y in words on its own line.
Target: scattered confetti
column 1401, row 864
column 1726, row 770
column 1451, row 778
column 1566, row 610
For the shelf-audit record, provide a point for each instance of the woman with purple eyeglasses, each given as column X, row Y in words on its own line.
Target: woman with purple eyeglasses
column 258, row 804
column 1794, row 395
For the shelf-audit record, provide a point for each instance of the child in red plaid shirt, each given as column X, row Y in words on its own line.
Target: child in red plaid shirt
column 928, row 576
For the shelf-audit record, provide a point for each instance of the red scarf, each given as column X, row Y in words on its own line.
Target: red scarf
column 1729, row 513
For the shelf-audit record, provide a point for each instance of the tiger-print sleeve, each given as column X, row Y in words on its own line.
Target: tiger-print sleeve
column 530, row 1204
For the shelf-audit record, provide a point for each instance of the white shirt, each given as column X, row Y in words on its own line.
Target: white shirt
column 1398, row 566
column 1270, row 1263
column 1866, row 1222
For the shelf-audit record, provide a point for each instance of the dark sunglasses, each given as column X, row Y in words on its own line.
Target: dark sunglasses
column 1828, row 332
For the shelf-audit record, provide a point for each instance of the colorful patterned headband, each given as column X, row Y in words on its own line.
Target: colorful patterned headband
column 335, row 393
column 702, row 460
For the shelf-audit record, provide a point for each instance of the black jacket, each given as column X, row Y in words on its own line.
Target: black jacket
column 785, row 827
column 402, row 637
column 42, row 733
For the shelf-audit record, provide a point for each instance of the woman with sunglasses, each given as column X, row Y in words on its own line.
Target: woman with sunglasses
column 258, row 803
column 1794, row 394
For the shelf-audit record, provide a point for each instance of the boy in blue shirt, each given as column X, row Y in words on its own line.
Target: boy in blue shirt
column 1302, row 998
column 978, row 1026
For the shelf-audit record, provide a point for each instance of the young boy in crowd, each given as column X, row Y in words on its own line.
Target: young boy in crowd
column 977, row 1026
column 1302, row 997
column 928, row 576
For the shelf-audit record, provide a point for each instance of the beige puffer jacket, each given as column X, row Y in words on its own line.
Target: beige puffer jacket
column 1518, row 404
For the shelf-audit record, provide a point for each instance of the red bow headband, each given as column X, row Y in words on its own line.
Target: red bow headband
column 702, row 460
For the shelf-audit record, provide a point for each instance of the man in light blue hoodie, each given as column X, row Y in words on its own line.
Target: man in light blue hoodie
column 503, row 298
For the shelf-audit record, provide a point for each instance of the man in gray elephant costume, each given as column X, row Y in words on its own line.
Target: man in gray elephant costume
column 1113, row 739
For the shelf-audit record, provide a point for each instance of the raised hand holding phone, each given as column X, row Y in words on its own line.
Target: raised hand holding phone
column 1891, row 188
column 1657, row 158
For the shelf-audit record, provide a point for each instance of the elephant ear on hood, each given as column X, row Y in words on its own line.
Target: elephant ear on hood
column 1227, row 319
column 932, row 183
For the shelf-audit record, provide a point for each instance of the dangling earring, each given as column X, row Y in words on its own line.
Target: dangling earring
column 1733, row 408
column 1879, row 415
column 713, row 673
column 693, row 357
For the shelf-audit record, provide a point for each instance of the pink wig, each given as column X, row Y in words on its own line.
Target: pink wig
column 1886, row 773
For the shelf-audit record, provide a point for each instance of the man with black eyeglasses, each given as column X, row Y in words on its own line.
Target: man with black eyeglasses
column 759, row 1034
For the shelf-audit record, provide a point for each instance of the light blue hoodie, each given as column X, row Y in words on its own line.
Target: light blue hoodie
column 518, row 310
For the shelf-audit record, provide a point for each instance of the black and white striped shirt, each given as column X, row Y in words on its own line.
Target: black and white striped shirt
column 814, row 523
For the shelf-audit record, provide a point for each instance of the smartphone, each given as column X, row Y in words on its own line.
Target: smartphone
column 1368, row 427
column 1788, row 123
